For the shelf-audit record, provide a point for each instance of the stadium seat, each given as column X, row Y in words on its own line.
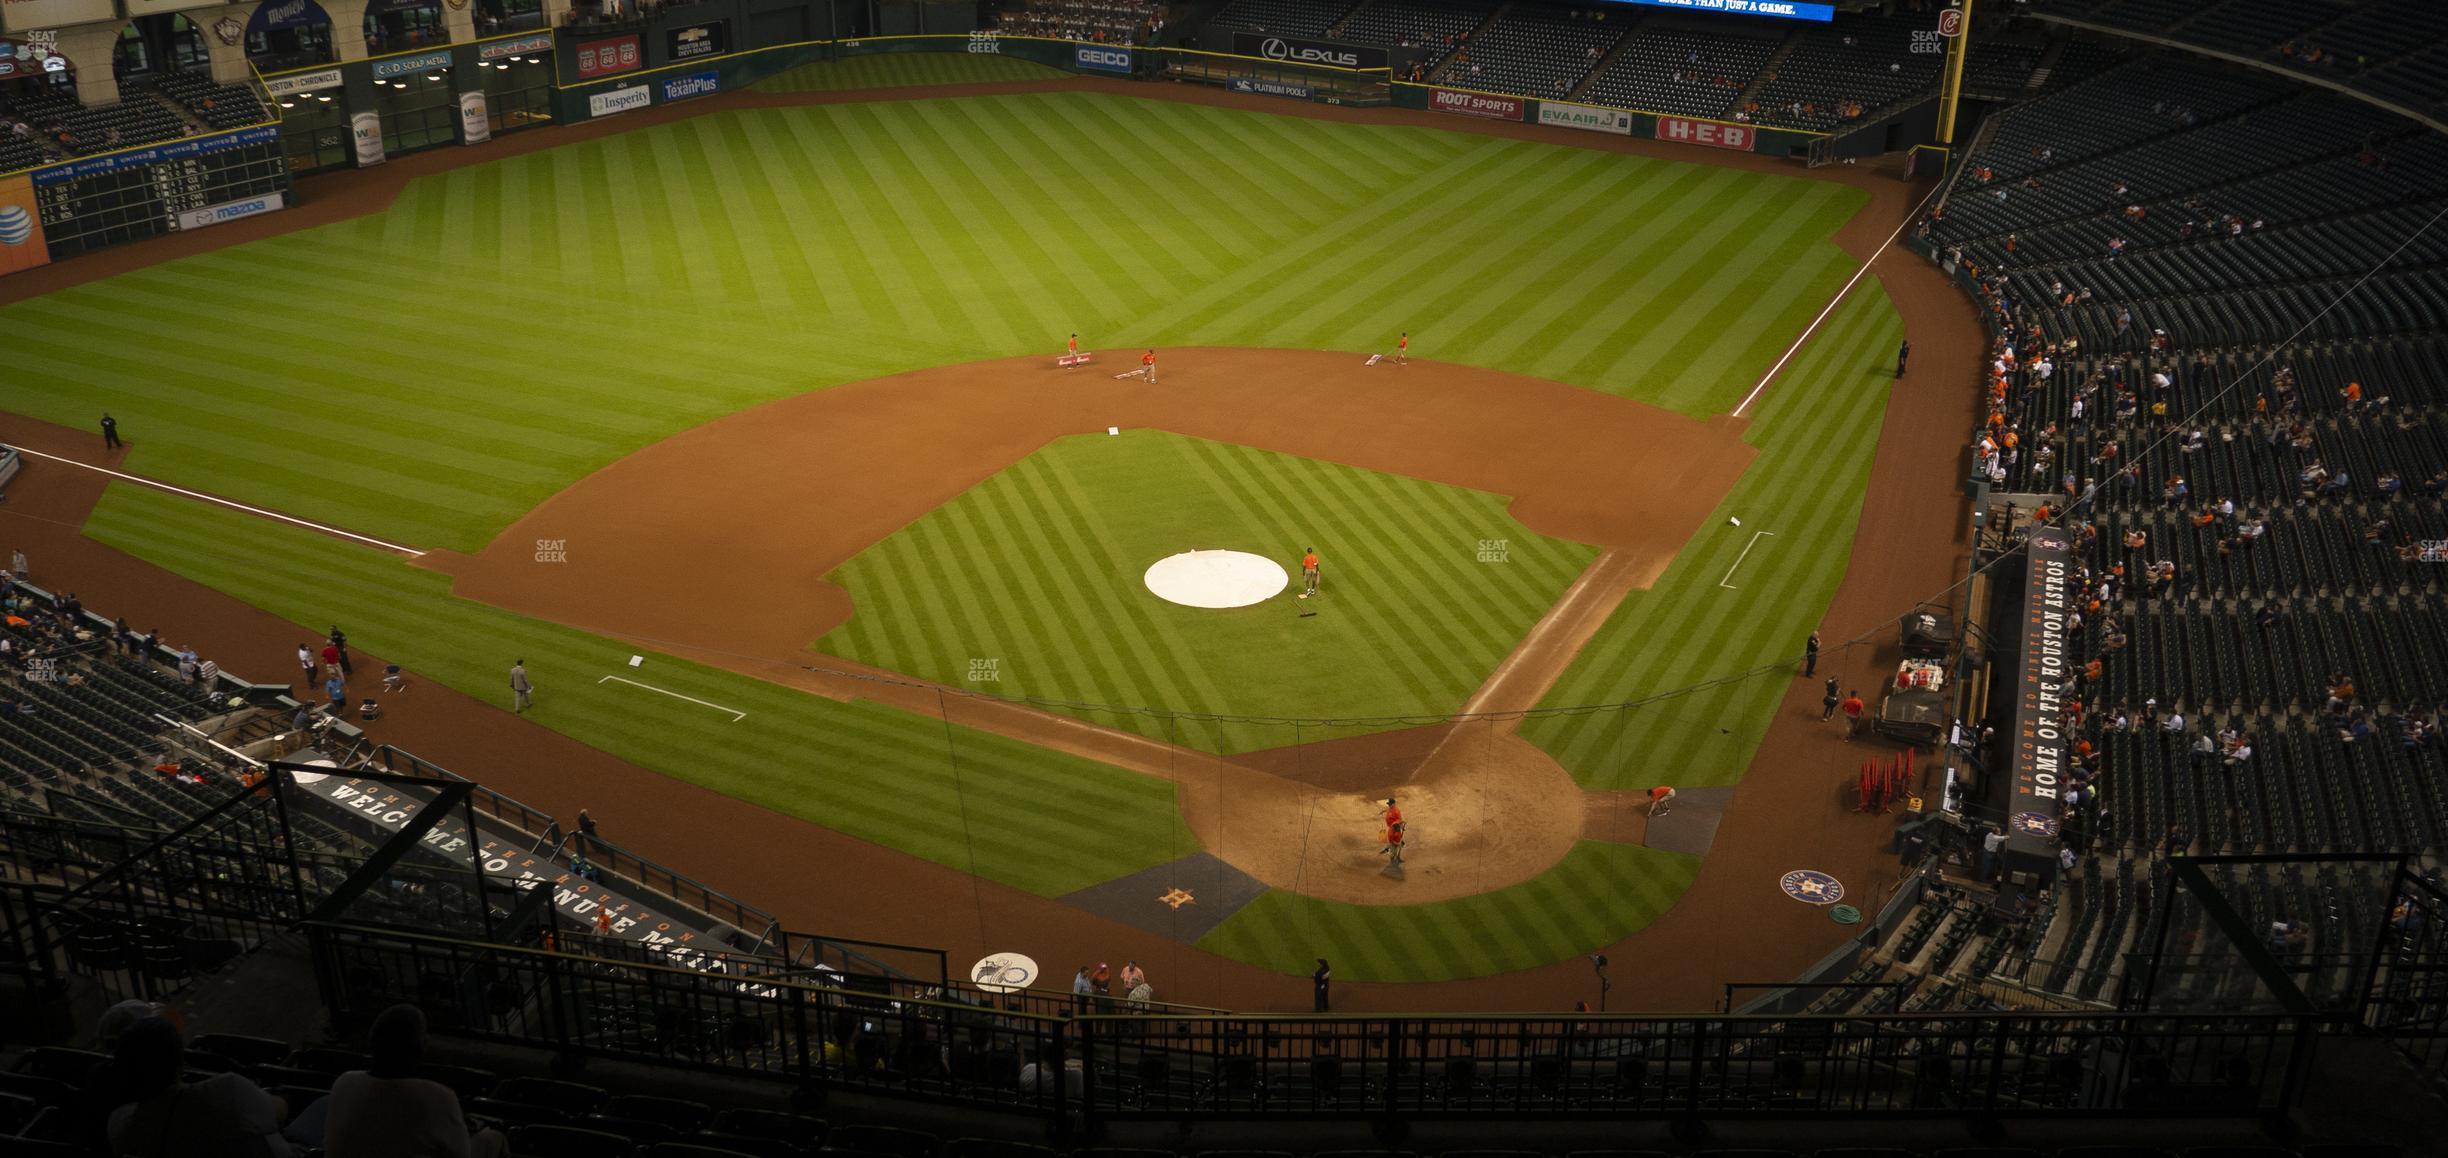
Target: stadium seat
column 677, row 1115
column 690, row 1148
column 465, row 1081
column 334, row 1062
column 2112, row 1152
column 565, row 1142
column 743, row 1144
column 992, row 1148
column 16, row 1110
column 568, row 1097
column 12, row 1146
column 59, row 1063
column 242, row 1049
column 511, row 1113
column 2349, row 1150
column 790, row 1129
column 894, row 1140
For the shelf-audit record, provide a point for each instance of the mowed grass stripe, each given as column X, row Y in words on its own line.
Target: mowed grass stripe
column 1120, row 821
column 1817, row 441
column 1612, row 891
column 1045, row 559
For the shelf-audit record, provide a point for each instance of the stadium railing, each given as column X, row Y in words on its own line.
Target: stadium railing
column 1324, row 1066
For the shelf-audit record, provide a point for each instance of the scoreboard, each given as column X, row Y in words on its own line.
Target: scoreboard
column 137, row 193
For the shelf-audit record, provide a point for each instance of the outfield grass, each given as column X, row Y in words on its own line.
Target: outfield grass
column 959, row 797
column 1817, row 430
column 430, row 373
column 1595, row 896
column 906, row 70
column 1040, row 568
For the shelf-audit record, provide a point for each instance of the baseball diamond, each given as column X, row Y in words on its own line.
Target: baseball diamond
column 1077, row 578
column 961, row 546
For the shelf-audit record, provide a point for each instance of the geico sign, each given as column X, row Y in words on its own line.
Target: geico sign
column 1107, row 58
column 1710, row 133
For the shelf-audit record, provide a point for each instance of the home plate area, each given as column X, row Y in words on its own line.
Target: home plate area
column 1181, row 899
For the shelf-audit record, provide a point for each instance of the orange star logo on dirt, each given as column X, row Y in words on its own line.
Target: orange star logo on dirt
column 1177, row 898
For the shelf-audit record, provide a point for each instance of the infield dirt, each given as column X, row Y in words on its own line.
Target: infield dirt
column 1732, row 924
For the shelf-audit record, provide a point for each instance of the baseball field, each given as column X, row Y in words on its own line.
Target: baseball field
column 743, row 431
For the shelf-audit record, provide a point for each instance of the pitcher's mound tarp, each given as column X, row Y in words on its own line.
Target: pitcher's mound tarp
column 1690, row 825
column 1217, row 890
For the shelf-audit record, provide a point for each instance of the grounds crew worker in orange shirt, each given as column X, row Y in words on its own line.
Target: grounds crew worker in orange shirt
column 1309, row 575
column 1074, row 344
column 1402, row 350
column 1147, row 366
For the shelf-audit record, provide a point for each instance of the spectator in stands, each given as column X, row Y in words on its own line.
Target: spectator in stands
column 2341, row 692
column 223, row 1114
column 387, row 1111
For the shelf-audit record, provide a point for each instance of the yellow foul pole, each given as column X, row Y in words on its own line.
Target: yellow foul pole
column 1959, row 48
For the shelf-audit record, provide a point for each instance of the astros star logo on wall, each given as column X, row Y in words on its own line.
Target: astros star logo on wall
column 2033, row 823
column 1177, row 898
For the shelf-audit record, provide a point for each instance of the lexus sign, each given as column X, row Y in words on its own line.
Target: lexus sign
column 1294, row 50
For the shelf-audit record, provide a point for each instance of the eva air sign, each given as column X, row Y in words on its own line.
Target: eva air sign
column 1590, row 117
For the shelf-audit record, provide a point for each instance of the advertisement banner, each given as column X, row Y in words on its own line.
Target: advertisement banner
column 1739, row 138
column 1781, row 9
column 30, row 53
column 697, row 41
column 137, row 158
column 1591, row 117
column 1475, row 104
column 615, row 54
column 1099, row 58
column 228, row 211
column 539, row 44
column 475, row 120
column 394, row 67
column 298, row 82
column 27, row 15
column 21, row 232
column 2042, row 733
column 1271, row 87
column 365, row 129
column 619, row 100
column 694, row 84
column 1294, row 50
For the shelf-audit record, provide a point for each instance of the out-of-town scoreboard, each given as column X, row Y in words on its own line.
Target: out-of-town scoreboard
column 124, row 196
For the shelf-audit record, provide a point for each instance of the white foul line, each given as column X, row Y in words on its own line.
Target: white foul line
column 1833, row 302
column 736, row 714
column 140, row 480
column 1746, row 553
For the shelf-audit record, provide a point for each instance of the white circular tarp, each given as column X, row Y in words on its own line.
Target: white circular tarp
column 1217, row 578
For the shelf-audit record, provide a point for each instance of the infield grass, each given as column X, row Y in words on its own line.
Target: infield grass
column 1039, row 569
column 429, row 372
